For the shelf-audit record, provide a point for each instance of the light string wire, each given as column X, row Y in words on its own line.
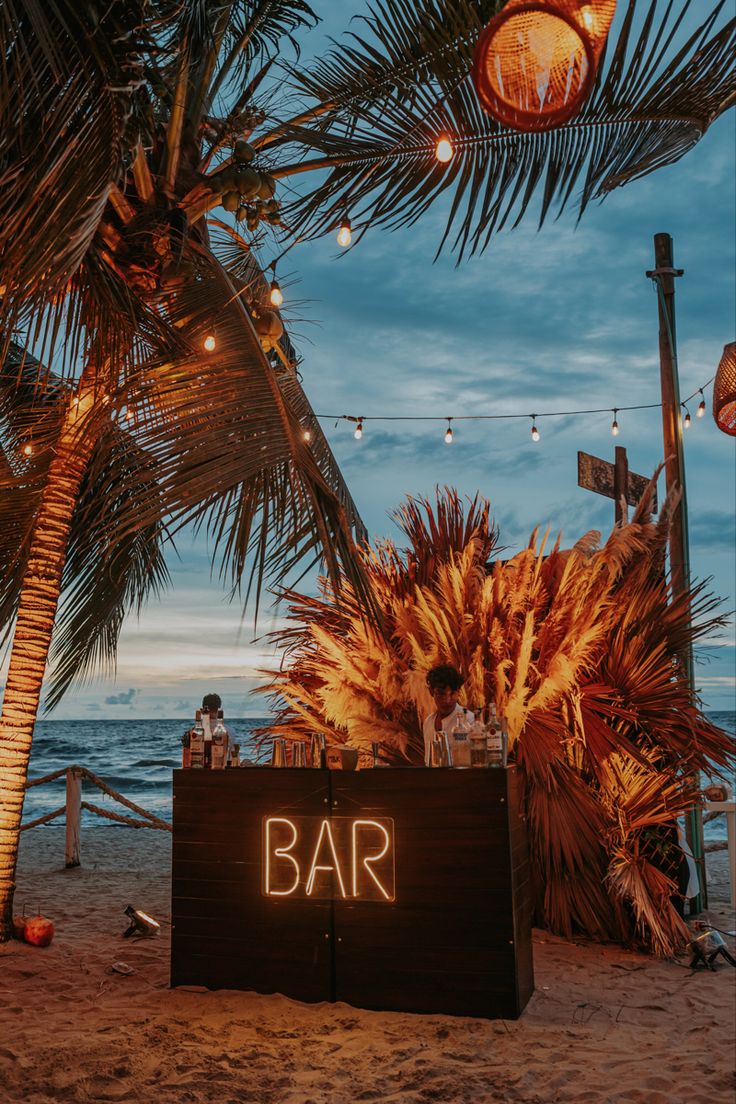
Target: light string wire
column 502, row 417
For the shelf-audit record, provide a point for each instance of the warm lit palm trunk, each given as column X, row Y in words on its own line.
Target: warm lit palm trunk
column 34, row 624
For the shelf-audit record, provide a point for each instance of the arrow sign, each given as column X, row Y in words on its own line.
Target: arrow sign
column 598, row 475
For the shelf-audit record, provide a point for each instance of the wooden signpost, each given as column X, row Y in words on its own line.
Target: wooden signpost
column 614, row 481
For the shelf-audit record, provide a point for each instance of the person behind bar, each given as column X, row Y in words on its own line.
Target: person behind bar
column 211, row 703
column 444, row 684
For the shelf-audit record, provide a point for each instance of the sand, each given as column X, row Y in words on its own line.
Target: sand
column 604, row 1024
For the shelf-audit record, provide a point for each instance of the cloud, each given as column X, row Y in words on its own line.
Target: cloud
column 714, row 529
column 125, row 697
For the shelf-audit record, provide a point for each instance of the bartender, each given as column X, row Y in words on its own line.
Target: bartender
column 445, row 683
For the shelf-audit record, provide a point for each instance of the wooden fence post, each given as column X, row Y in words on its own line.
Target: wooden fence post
column 73, row 815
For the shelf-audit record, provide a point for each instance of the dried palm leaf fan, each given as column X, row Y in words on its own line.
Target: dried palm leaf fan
column 724, row 391
column 535, row 62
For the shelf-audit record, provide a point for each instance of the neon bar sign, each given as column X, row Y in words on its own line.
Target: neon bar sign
column 336, row 857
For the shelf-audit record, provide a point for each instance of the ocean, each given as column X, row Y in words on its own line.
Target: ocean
column 136, row 758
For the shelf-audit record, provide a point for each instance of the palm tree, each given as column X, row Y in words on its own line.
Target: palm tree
column 578, row 649
column 124, row 124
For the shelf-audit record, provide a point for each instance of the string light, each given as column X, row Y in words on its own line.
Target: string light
column 28, row 450
column 535, row 431
column 345, row 233
column 276, row 296
column 358, row 430
column 129, row 415
column 614, row 423
column 701, row 404
column 210, row 343
column 687, row 420
column 307, row 434
column 448, row 432
column 444, row 150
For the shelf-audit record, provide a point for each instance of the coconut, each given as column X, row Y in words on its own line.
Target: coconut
column 267, row 188
column 231, row 201
column 244, row 150
column 226, row 180
column 248, row 182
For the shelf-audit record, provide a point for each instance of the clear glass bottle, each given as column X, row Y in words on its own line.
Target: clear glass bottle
column 196, row 741
column 477, row 737
column 460, row 738
column 494, row 739
column 220, row 742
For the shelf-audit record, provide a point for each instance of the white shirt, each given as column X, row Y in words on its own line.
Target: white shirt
column 448, row 723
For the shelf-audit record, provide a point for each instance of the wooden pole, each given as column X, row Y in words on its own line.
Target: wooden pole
column 73, row 816
column 621, row 485
column 664, row 275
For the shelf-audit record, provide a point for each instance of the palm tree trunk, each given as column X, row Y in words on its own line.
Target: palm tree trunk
column 34, row 625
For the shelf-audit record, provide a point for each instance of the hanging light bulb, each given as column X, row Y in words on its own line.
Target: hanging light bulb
column 210, row 343
column 276, row 296
column 701, row 404
column 345, row 233
column 306, row 434
column 129, row 415
column 614, row 424
column 28, row 450
column 687, row 420
column 535, row 431
column 358, row 430
column 444, row 150
column 448, row 432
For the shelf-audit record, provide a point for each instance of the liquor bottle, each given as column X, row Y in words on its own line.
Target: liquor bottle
column 186, row 754
column 477, row 737
column 233, row 759
column 220, row 742
column 494, row 739
column 196, row 741
column 208, row 725
column 460, row 741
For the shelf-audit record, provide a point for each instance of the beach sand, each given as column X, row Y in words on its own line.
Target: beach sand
column 604, row 1024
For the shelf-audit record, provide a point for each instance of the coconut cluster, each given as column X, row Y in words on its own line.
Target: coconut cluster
column 246, row 191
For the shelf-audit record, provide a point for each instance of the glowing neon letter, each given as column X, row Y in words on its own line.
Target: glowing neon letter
column 280, row 853
column 368, row 859
column 324, row 830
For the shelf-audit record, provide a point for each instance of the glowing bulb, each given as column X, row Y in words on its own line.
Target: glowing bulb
column 358, row 430
column 344, row 234
column 209, row 344
column 614, row 425
column 307, row 435
column 276, row 295
column 588, row 17
column 687, row 420
column 444, row 150
column 448, row 433
column 701, row 405
column 535, row 432
column 28, row 450
column 129, row 415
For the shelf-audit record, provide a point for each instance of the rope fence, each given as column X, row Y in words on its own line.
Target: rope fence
column 72, row 809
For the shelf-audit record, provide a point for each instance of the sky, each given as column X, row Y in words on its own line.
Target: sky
column 559, row 319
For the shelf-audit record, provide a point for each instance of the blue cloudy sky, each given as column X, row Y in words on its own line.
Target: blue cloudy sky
column 556, row 320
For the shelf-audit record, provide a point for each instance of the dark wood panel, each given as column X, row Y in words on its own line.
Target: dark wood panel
column 456, row 939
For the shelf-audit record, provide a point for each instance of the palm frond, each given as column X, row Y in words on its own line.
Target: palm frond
column 103, row 580
column 383, row 100
column 65, row 98
column 578, row 651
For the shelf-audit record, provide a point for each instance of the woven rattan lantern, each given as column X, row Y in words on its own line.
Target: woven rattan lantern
column 724, row 391
column 535, row 62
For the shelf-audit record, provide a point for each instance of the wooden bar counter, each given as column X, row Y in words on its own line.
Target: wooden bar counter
column 400, row 889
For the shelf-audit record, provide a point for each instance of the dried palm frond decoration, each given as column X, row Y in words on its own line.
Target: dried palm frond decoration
column 536, row 62
column 578, row 648
column 724, row 391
